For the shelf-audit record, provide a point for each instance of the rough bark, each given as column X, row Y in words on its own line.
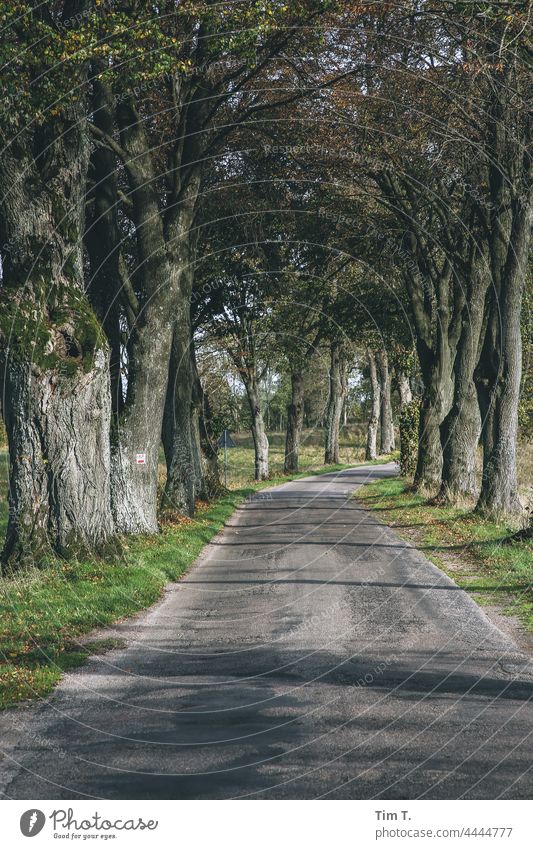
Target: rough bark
column 204, row 439
column 190, row 448
column 459, row 434
column 103, row 238
column 58, row 434
column 373, row 422
column 138, row 432
column 337, row 393
column 178, row 437
column 258, row 428
column 499, row 373
column 436, row 367
column 163, row 253
column 387, row 441
column 429, row 463
column 404, row 389
column 295, row 413
column 199, row 460
column 54, row 357
column 460, row 429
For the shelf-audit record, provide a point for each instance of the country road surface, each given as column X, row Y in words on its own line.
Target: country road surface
column 309, row 653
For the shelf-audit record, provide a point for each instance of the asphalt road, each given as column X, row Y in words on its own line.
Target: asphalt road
column 309, row 653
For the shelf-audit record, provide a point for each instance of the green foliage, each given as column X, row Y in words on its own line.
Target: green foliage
column 409, row 427
column 45, row 54
column 403, row 359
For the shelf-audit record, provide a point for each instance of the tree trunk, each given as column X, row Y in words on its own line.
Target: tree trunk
column 436, row 402
column 198, row 458
column 58, row 433
column 295, row 412
column 337, row 394
column 103, row 238
column 498, row 400
column 54, row 357
column 404, row 389
column 429, row 462
column 258, row 429
column 204, row 439
column 375, row 405
column 182, row 472
column 460, row 429
column 499, row 373
column 163, row 254
column 137, row 437
column 459, row 434
column 387, row 443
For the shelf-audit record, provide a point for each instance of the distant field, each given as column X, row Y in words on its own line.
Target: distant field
column 241, row 458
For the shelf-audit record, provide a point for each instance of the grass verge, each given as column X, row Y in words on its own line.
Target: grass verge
column 478, row 555
column 45, row 614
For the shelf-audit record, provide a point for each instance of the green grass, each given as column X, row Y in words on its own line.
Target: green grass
column 479, row 555
column 45, row 614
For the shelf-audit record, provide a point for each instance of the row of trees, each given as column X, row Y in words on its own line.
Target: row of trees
column 111, row 114
column 276, row 300
column 159, row 187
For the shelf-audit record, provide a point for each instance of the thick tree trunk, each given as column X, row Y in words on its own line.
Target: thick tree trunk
column 137, row 437
column 164, row 253
column 429, row 462
column 387, row 443
column 181, row 424
column 499, row 371
column 58, row 434
column 178, row 437
column 375, row 405
column 261, row 447
column 459, row 433
column 54, row 357
column 337, row 394
column 498, row 376
column 436, row 402
column 499, row 410
column 103, row 239
column 295, row 413
column 460, row 429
